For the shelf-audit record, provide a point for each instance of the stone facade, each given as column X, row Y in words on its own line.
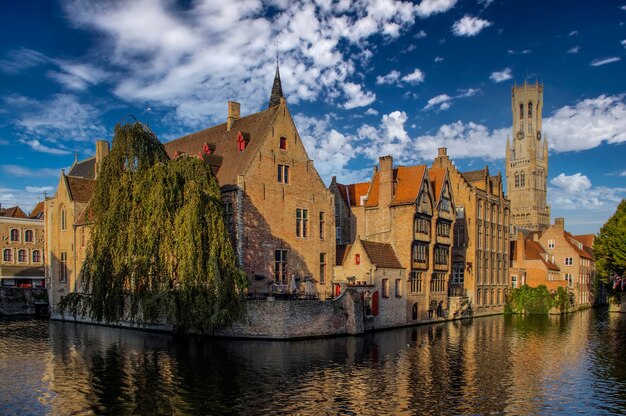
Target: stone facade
column 527, row 160
column 480, row 259
column 22, row 260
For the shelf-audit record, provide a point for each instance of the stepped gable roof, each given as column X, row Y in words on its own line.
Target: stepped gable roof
column 408, row 181
column 382, row 255
column 341, row 250
column 234, row 162
column 534, row 251
column 37, row 212
column 353, row 192
column 437, row 177
column 80, row 189
column 84, row 169
column 574, row 243
column 13, row 212
column 475, row 175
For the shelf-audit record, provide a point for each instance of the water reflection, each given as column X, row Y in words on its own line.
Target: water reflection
column 498, row 365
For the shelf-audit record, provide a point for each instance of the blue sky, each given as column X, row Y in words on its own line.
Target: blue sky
column 362, row 78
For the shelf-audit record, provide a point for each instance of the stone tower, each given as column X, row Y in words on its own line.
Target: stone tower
column 527, row 160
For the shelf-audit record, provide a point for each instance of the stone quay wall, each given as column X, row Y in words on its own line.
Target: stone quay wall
column 620, row 306
column 18, row 301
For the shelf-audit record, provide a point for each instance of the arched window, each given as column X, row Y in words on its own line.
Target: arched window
column 521, row 111
column 15, row 234
column 21, row 256
column 517, row 180
column 485, row 293
column 522, row 179
column 28, row 236
column 478, row 298
column 530, row 109
column 414, row 313
column 498, row 298
column 8, row 255
column 63, row 219
column 491, row 297
column 36, row 256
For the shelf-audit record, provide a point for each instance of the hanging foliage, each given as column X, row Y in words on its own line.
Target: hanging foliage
column 159, row 249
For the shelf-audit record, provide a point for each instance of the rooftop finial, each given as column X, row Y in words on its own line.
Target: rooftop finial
column 277, row 88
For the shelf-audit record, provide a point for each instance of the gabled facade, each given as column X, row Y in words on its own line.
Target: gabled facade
column 480, row 260
column 532, row 265
column 279, row 213
column 21, row 257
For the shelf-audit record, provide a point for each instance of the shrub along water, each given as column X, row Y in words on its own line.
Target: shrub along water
column 537, row 300
column 159, row 248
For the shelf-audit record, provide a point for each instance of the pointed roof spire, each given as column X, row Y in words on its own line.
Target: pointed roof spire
column 277, row 89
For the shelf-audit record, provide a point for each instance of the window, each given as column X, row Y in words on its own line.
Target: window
column 302, row 222
column 444, row 204
column 336, row 209
column 420, row 253
column 322, row 268
column 415, row 281
column 15, row 234
column 36, row 256
column 480, row 238
column 478, row 298
column 28, row 236
column 551, row 244
column 514, row 282
column 241, row 142
column 280, row 266
column 398, row 288
column 480, row 209
column 283, row 143
column 63, row 274
column 458, row 273
column 82, row 237
column 422, row 225
column 283, row 174
column 414, row 312
column 338, row 233
column 63, row 220
column 357, row 259
column 385, row 289
column 530, row 109
column 322, row 226
column 8, row 255
column 21, row 256
column 522, row 179
column 521, row 111
column 443, row 229
column 441, row 255
column 569, row 279
column 568, row 261
column 438, row 283
column 485, row 292
column 228, row 216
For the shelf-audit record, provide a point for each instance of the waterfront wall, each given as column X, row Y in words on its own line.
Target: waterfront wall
column 620, row 305
column 18, row 301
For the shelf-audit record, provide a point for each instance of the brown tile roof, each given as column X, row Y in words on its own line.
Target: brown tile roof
column 341, row 250
column 586, row 239
column 37, row 212
column 234, row 162
column 574, row 243
column 84, row 169
column 534, row 251
column 475, row 175
column 353, row 192
column 382, row 255
column 408, row 180
column 13, row 212
column 437, row 177
column 80, row 189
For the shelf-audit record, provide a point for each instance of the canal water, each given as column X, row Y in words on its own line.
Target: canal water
column 574, row 364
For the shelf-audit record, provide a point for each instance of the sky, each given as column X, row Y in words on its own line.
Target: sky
column 362, row 79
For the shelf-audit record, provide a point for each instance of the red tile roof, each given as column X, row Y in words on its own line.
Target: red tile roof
column 408, row 180
column 437, row 177
column 574, row 243
column 586, row 239
column 37, row 212
column 80, row 189
column 382, row 255
column 13, row 212
column 535, row 251
column 234, row 162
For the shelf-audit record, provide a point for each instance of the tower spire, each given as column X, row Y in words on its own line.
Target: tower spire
column 277, row 88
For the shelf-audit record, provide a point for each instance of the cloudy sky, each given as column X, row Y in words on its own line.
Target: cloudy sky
column 362, row 78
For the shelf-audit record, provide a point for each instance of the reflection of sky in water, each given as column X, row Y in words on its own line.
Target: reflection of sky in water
column 514, row 365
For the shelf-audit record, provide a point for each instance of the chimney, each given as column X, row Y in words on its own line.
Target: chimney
column 385, row 179
column 442, row 155
column 234, row 112
column 559, row 223
column 102, row 150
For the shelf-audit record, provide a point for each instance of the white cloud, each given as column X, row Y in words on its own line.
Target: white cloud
column 77, row 76
column 587, row 124
column 37, row 146
column 430, row 7
column 623, row 43
column 575, row 49
column 469, row 26
column 420, row 35
column 24, row 172
column 485, row 3
column 441, row 100
column 522, row 52
column 390, row 78
column 414, row 77
column 356, row 96
column 23, row 198
column 604, row 61
column 371, row 112
column 500, row 76
column 22, row 59
column 622, row 173
column 573, row 183
column 38, row 189
column 573, row 33
column 574, row 192
column 438, row 59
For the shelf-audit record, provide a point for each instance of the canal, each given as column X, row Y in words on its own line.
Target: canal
column 492, row 365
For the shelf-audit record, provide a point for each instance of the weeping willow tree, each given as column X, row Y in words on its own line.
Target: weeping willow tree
column 159, row 248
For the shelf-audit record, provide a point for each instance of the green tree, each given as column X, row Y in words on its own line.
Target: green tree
column 609, row 247
column 159, row 248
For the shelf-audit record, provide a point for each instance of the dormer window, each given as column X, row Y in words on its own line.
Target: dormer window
column 283, row 143
column 242, row 141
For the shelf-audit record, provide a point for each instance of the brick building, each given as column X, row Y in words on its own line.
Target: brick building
column 278, row 210
column 480, row 261
column 413, row 212
column 531, row 265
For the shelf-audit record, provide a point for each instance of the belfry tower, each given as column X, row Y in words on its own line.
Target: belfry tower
column 527, row 160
